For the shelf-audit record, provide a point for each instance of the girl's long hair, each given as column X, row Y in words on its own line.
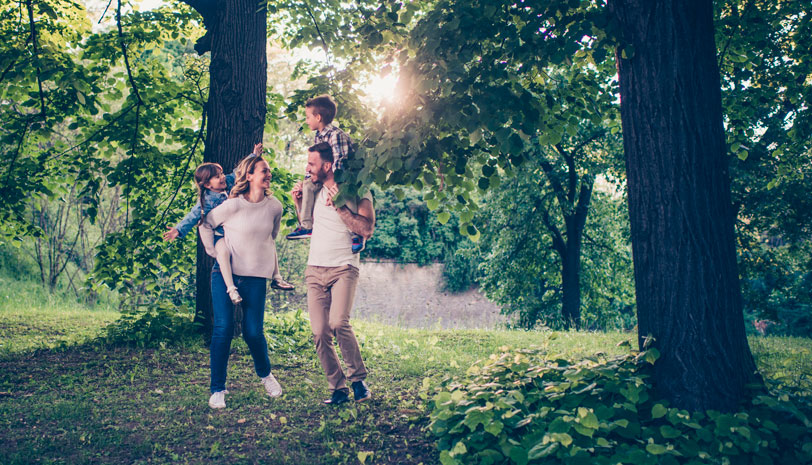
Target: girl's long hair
column 203, row 175
column 245, row 168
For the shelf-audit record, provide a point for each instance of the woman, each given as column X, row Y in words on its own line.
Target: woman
column 250, row 218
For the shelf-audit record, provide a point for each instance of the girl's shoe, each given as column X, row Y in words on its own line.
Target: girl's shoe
column 234, row 295
column 282, row 285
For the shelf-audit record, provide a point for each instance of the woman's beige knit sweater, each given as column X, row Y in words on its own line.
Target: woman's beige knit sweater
column 250, row 231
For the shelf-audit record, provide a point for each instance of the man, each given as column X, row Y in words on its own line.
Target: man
column 332, row 275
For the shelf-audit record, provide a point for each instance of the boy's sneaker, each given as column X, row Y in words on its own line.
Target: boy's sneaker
column 299, row 233
column 360, row 391
column 234, row 295
column 339, row 397
column 272, row 386
column 357, row 243
column 218, row 399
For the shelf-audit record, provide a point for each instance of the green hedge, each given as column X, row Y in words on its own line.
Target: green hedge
column 522, row 407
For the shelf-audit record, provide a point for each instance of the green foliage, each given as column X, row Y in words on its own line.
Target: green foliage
column 288, row 332
column 528, row 406
column 764, row 50
column 479, row 83
column 518, row 267
column 777, row 285
column 407, row 231
column 152, row 325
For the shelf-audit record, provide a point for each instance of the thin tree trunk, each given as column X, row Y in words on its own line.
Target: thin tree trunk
column 681, row 216
column 236, row 106
column 571, row 287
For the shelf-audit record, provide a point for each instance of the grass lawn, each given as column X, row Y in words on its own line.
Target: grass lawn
column 63, row 400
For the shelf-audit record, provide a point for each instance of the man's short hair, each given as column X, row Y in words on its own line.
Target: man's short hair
column 324, row 106
column 325, row 151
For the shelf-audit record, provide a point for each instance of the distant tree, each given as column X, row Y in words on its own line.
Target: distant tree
column 520, row 269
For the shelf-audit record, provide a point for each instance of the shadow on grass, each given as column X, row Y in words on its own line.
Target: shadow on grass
column 99, row 404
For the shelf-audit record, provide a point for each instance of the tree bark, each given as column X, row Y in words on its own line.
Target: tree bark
column 571, row 287
column 571, row 258
column 236, row 106
column 681, row 216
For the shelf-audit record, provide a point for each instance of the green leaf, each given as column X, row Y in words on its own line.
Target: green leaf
column 652, row 355
column 447, row 459
column 655, row 449
column 658, row 411
column 363, row 456
column 590, row 421
column 494, row 428
column 564, row 438
column 443, row 217
column 669, row 432
column 542, row 450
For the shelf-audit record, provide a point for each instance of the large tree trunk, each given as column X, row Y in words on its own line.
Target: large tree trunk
column 236, row 33
column 688, row 293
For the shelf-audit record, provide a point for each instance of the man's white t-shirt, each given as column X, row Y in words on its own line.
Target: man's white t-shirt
column 331, row 239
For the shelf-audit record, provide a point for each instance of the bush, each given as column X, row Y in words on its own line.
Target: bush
column 159, row 323
column 521, row 407
column 777, row 287
column 288, row 332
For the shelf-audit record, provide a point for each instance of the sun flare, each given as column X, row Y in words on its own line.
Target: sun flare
column 381, row 89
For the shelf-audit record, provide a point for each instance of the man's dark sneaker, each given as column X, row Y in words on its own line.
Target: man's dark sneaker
column 299, row 233
column 360, row 391
column 339, row 397
column 357, row 243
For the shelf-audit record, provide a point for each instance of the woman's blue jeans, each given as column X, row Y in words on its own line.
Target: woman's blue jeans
column 252, row 290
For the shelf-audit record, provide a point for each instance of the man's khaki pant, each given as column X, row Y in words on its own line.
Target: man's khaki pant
column 330, row 294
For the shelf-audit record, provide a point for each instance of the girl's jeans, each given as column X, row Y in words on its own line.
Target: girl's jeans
column 252, row 290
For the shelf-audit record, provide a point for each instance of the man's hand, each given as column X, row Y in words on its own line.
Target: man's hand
column 257, row 149
column 332, row 191
column 296, row 192
column 172, row 234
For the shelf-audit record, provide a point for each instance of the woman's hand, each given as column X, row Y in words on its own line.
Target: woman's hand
column 257, row 149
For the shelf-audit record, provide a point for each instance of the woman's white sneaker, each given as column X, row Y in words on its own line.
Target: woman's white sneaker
column 272, row 386
column 218, row 399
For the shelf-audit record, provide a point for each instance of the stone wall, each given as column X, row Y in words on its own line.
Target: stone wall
column 409, row 296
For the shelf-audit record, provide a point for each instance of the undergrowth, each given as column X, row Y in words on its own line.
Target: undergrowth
column 522, row 407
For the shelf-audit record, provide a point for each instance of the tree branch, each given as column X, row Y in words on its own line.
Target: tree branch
column 89, row 138
column 559, row 243
column 105, row 11
column 558, row 189
column 208, row 10
column 318, row 31
column 186, row 167
column 124, row 52
column 30, row 5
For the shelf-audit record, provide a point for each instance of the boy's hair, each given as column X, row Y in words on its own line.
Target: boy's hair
column 244, row 168
column 324, row 150
column 324, row 106
column 203, row 175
